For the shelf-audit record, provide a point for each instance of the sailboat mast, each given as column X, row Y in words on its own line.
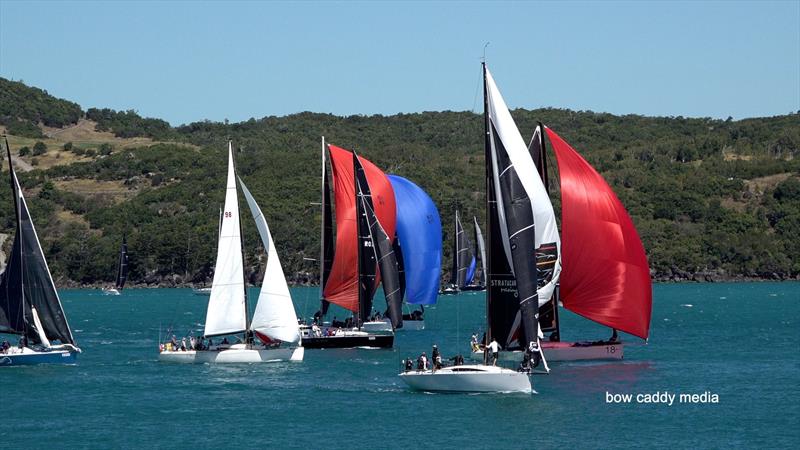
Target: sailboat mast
column 241, row 240
column 322, row 227
column 18, row 215
column 487, row 149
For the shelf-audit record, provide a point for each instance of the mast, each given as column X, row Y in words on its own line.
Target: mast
column 487, row 148
column 241, row 240
column 322, row 232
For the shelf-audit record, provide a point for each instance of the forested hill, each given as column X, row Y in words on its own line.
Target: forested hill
column 712, row 199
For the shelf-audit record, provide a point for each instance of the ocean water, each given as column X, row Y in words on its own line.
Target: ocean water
column 739, row 341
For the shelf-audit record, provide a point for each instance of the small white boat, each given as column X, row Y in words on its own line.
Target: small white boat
column 566, row 351
column 202, row 291
column 122, row 270
column 111, row 291
column 378, row 325
column 237, row 353
column 413, row 325
column 469, row 378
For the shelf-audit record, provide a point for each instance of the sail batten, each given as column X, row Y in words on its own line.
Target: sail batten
column 606, row 277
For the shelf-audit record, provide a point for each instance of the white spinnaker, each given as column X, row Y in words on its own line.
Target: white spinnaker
column 274, row 315
column 543, row 215
column 226, row 306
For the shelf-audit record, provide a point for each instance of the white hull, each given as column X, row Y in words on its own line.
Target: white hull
column 566, row 351
column 377, row 326
column 111, row 291
column 234, row 354
column 469, row 378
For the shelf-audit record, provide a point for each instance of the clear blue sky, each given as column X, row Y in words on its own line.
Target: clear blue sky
column 188, row 61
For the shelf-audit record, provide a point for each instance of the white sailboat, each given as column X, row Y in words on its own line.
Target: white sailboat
column 514, row 232
column 274, row 321
column 122, row 270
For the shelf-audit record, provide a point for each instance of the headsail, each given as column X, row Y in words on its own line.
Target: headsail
column 27, row 282
column 274, row 315
column 227, row 309
column 341, row 287
column 419, row 230
column 381, row 247
column 122, row 265
column 606, row 277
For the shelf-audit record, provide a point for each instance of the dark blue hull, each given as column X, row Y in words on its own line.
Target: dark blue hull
column 31, row 359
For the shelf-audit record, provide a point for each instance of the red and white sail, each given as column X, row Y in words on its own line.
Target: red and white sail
column 605, row 274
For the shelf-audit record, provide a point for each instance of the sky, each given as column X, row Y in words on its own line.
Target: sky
column 186, row 61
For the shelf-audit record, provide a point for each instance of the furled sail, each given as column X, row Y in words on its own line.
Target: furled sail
column 327, row 235
column 122, row 265
column 227, row 309
column 341, row 287
column 381, row 246
column 606, row 277
column 513, row 178
column 481, row 251
column 463, row 260
column 27, row 283
column 419, row 231
column 274, row 315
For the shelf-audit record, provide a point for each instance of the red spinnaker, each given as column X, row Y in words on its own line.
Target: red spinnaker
column 342, row 285
column 605, row 276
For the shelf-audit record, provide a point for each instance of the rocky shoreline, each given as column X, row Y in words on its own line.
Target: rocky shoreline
column 306, row 279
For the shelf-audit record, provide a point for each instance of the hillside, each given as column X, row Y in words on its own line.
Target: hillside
column 711, row 199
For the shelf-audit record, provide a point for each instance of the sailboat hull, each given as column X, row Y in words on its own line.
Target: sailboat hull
column 362, row 340
column 111, row 291
column 30, row 358
column 567, row 351
column 233, row 355
column 469, row 378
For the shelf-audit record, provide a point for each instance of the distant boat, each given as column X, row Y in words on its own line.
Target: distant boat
column 365, row 218
column 419, row 249
column 511, row 265
column 463, row 267
column 122, row 270
column 202, row 291
column 478, row 282
column 29, row 302
column 274, row 321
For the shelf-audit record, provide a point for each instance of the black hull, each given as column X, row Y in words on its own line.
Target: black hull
column 375, row 340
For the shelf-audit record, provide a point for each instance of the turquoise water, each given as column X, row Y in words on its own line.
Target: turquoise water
column 738, row 341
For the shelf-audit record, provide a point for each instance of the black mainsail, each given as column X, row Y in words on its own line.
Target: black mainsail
column 547, row 254
column 373, row 239
column 122, row 265
column 462, row 255
column 512, row 298
column 27, row 285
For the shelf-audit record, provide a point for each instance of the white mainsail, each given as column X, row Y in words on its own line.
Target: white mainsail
column 226, row 307
column 274, row 315
column 544, row 217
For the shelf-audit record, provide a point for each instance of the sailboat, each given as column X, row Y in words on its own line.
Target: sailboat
column 478, row 282
column 364, row 254
column 205, row 290
column 605, row 275
column 274, row 321
column 511, row 264
column 463, row 267
column 29, row 303
column 122, row 270
column 419, row 249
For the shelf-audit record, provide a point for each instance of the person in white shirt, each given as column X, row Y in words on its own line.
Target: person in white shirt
column 494, row 348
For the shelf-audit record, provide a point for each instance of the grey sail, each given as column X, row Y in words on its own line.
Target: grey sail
column 462, row 255
column 481, row 251
column 381, row 246
column 27, row 282
column 122, row 266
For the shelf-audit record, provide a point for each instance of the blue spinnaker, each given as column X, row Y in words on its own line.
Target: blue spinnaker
column 470, row 272
column 419, row 231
